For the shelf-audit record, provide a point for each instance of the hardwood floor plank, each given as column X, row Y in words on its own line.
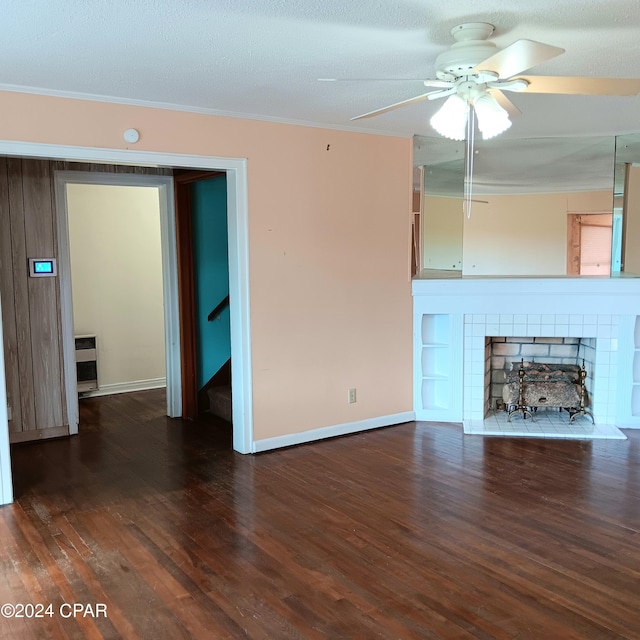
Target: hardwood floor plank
column 39, row 585
column 78, row 553
column 141, row 601
column 218, row 581
column 413, row 532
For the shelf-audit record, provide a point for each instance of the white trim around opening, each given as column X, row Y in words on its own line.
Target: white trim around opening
column 164, row 184
column 6, row 485
column 237, row 201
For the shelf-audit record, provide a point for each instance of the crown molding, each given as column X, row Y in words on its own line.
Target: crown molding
column 168, row 106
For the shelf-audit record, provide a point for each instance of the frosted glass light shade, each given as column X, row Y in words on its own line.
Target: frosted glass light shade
column 450, row 120
column 492, row 118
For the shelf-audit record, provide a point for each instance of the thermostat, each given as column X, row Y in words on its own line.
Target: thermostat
column 42, row 267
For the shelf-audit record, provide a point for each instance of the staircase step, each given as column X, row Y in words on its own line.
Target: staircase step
column 220, row 402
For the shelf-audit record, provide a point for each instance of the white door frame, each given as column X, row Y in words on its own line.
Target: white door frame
column 164, row 184
column 6, row 484
column 237, row 213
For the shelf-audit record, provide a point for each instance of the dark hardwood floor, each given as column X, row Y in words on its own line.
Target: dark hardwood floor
column 414, row 531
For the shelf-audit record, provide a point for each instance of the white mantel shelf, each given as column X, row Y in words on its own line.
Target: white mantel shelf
column 530, row 295
column 453, row 317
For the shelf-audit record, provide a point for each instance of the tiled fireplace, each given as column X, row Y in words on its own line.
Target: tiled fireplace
column 601, row 374
column 456, row 322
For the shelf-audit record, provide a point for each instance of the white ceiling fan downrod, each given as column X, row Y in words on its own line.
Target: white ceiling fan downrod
column 470, row 143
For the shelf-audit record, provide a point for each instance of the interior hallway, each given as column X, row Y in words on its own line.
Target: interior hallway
column 415, row 531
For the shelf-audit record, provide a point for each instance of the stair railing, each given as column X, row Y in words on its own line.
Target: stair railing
column 218, row 310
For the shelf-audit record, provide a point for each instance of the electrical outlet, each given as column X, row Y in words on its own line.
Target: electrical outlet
column 352, row 396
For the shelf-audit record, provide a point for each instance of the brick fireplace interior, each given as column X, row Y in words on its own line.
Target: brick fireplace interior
column 505, row 353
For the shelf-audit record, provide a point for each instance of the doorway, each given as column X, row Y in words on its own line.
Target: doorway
column 116, row 273
column 67, row 182
column 202, row 232
column 589, row 244
column 237, row 240
column 236, row 169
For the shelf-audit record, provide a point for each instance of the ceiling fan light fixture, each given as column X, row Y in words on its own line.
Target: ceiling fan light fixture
column 492, row 118
column 450, row 120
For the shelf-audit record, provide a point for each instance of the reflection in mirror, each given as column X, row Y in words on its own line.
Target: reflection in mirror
column 443, row 176
column 416, row 222
column 540, row 207
column 626, row 237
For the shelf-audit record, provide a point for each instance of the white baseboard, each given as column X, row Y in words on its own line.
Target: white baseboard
column 331, row 432
column 126, row 387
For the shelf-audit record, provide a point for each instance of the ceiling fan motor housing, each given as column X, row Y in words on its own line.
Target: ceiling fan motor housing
column 471, row 48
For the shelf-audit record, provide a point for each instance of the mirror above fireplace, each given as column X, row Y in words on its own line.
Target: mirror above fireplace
column 627, row 199
column 539, row 207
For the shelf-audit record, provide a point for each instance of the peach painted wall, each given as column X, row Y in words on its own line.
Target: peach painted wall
column 329, row 240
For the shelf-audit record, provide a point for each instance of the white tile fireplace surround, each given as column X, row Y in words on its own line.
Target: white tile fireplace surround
column 454, row 319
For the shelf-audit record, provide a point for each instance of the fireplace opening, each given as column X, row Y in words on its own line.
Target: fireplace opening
column 553, row 359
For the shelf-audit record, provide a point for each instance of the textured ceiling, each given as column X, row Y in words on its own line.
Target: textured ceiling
column 263, row 57
column 516, row 166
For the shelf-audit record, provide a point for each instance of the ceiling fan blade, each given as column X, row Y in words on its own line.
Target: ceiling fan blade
column 397, row 105
column 505, row 103
column 442, row 93
column 371, row 80
column 518, row 57
column 582, row 86
column 442, row 84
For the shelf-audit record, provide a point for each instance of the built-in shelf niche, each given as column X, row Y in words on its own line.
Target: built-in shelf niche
column 436, row 362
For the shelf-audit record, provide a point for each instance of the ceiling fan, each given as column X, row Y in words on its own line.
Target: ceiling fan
column 473, row 72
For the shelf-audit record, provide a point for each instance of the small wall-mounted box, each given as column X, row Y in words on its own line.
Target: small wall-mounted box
column 42, row 267
column 86, row 363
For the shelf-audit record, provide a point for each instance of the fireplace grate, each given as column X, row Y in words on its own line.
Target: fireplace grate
column 536, row 384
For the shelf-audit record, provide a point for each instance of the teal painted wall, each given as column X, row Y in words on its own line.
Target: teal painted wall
column 211, row 274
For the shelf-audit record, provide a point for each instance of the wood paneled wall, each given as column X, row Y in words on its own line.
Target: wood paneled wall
column 31, row 314
column 30, row 306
